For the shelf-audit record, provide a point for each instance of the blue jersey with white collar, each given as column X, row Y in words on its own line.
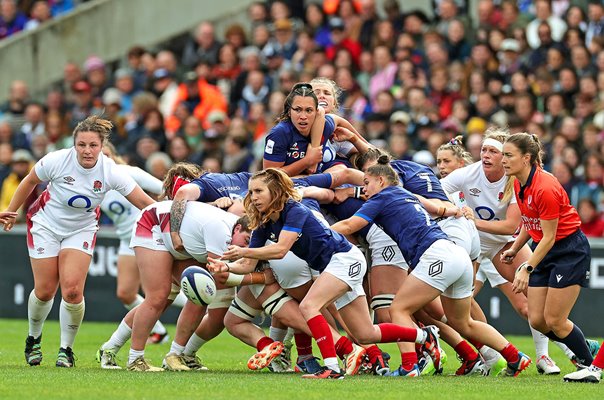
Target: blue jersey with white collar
column 404, row 219
column 214, row 186
column 419, row 179
column 347, row 209
column 316, row 243
column 285, row 144
column 318, row 180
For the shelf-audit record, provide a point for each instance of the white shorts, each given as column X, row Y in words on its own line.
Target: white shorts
column 350, row 268
column 147, row 236
column 463, row 233
column 291, row 271
column 446, row 267
column 491, row 250
column 488, row 271
column 384, row 250
column 42, row 243
column 125, row 249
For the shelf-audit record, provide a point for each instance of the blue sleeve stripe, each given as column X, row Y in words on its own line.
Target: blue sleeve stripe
column 291, row 229
column 366, row 218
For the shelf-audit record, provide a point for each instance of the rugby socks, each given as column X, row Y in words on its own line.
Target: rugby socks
column 37, row 312
column 599, row 360
column 70, row 319
column 576, row 342
column 119, row 338
column 138, row 300
column 567, row 352
column 541, row 343
column 289, row 335
column 177, row 349
column 373, row 352
column 277, row 334
column 343, row 347
column 322, row 335
column 180, row 300
column 303, row 346
column 476, row 344
column 395, row 333
column 465, row 351
column 510, row 353
column 194, row 344
column 408, row 360
column 263, row 342
column 134, row 354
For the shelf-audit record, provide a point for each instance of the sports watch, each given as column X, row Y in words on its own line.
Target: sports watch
column 529, row 268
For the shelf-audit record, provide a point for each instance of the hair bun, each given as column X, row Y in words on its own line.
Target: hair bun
column 383, row 159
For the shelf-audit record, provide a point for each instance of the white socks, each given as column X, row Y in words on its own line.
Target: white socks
column 37, row 312
column 134, row 354
column 138, row 300
column 277, row 334
column 193, row 345
column 70, row 319
column 332, row 363
column 177, row 349
column 421, row 336
column 567, row 352
column 541, row 343
column 180, row 300
column 290, row 335
column 118, row 338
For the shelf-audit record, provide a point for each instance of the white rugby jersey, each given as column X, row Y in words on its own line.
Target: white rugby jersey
column 482, row 196
column 70, row 202
column 119, row 209
column 204, row 228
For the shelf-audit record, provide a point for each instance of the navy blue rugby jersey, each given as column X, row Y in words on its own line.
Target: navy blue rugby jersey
column 419, row 179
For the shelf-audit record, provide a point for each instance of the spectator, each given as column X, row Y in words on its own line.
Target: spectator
column 237, row 157
column 339, row 40
column 166, row 89
column 595, row 27
column 283, row 41
column 590, row 187
column 14, row 107
column 6, row 156
column 158, row 164
column 544, row 13
column 11, row 19
column 96, row 75
column 39, row 13
column 592, row 223
column 21, row 163
column 384, row 74
column 255, row 91
column 203, row 46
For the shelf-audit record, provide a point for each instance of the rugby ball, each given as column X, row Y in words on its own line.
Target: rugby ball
column 198, row 285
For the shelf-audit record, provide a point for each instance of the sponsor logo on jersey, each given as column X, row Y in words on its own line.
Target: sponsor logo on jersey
column 559, row 278
column 268, row 149
column 462, row 197
column 97, row 186
column 159, row 242
column 85, row 245
column 40, row 250
column 68, row 180
column 475, row 192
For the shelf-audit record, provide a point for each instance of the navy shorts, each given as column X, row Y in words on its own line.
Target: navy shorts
column 566, row 264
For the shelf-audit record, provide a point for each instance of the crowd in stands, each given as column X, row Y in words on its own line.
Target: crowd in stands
column 25, row 15
column 409, row 83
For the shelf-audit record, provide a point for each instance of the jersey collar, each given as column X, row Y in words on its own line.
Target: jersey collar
column 528, row 182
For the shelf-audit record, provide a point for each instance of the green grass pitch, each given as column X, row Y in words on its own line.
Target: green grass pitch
column 229, row 377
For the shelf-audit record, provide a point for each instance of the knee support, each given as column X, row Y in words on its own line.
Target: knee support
column 223, row 298
column 274, row 303
column 242, row 310
column 381, row 301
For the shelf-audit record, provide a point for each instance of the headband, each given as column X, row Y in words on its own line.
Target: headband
column 494, row 143
column 179, row 181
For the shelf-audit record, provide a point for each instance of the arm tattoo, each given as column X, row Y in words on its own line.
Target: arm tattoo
column 177, row 212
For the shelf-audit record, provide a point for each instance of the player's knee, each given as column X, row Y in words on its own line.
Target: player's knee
column 555, row 322
column 538, row 323
column 367, row 336
column 309, row 309
column 72, row 295
column 125, row 296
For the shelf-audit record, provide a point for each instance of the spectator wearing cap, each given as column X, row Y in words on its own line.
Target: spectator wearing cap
column 21, row 163
column 339, row 40
column 219, row 122
column 202, row 46
column 166, row 89
column 543, row 13
column 282, row 41
column 11, row 19
column 124, row 82
column 509, row 57
column 399, row 123
column 200, row 97
column 96, row 75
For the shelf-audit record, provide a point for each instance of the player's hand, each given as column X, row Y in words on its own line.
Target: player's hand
column 468, row 213
column 314, row 155
column 223, row 202
column 341, row 134
column 341, row 195
column 177, row 241
column 508, row 256
column 521, row 279
column 269, row 277
column 221, row 277
column 217, row 266
column 8, row 218
column 234, row 253
column 452, row 212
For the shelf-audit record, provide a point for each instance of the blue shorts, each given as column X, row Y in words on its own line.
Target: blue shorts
column 567, row 263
